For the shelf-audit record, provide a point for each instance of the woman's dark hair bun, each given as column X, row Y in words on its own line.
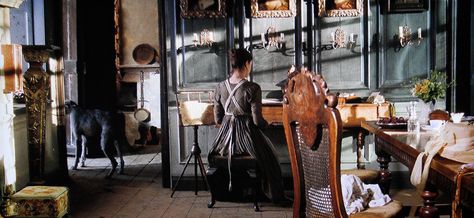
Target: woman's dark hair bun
column 239, row 57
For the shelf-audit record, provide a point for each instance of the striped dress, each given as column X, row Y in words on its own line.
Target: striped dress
column 238, row 108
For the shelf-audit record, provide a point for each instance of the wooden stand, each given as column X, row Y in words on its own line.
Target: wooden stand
column 36, row 87
column 196, row 152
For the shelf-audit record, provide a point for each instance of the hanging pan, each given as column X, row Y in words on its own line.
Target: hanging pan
column 141, row 114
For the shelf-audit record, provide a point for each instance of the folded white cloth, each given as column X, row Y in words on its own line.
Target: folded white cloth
column 357, row 196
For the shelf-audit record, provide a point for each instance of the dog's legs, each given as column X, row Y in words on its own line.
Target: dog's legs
column 106, row 143
column 119, row 154
column 83, row 153
column 78, row 150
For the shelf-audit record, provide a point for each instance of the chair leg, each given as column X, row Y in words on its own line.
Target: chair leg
column 254, row 191
column 209, row 173
column 255, row 200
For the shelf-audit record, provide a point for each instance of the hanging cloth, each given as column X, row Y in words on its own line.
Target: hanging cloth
column 455, row 142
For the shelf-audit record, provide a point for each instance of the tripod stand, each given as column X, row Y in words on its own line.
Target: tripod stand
column 196, row 152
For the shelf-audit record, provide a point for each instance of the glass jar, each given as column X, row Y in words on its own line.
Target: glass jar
column 413, row 124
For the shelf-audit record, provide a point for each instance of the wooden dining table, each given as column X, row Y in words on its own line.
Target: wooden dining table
column 405, row 147
column 352, row 114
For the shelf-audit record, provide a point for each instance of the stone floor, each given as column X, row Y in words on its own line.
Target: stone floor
column 139, row 193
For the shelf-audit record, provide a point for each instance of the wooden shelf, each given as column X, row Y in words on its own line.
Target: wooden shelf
column 139, row 67
column 131, row 72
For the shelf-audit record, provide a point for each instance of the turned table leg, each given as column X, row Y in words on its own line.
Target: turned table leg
column 429, row 195
column 361, row 133
column 385, row 177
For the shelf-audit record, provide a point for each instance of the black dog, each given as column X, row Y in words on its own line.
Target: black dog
column 89, row 123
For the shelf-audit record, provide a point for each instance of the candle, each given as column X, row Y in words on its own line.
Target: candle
column 400, row 31
column 211, row 36
column 333, row 37
column 282, row 37
column 262, row 37
column 351, row 37
column 419, row 32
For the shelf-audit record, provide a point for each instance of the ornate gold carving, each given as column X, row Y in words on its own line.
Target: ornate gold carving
column 326, row 12
column 36, row 53
column 186, row 12
column 257, row 13
column 36, row 88
column 118, row 76
column 7, row 208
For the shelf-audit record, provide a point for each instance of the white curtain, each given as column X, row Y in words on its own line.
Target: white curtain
column 7, row 151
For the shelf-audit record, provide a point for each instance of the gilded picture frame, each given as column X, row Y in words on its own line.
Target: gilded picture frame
column 403, row 6
column 272, row 8
column 340, row 8
column 203, row 8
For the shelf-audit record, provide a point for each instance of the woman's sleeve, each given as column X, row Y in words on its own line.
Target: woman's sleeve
column 218, row 108
column 256, row 104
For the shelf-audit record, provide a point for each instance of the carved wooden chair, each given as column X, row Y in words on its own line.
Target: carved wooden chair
column 313, row 131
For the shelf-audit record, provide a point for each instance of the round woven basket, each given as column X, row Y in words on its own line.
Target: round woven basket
column 144, row 54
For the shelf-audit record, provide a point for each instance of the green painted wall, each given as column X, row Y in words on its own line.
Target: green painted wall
column 375, row 62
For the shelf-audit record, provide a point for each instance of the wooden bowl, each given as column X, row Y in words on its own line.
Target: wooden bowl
column 144, row 54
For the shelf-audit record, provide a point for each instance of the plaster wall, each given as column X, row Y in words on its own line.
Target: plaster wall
column 138, row 24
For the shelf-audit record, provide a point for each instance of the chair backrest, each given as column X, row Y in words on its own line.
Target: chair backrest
column 439, row 115
column 313, row 129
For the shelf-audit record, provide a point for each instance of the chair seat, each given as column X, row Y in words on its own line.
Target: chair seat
column 367, row 176
column 392, row 209
column 244, row 162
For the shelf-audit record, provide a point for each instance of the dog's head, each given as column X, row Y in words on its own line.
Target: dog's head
column 69, row 106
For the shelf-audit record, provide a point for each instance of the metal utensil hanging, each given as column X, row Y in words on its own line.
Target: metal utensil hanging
column 142, row 114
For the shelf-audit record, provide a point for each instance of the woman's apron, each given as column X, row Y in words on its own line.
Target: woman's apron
column 240, row 111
